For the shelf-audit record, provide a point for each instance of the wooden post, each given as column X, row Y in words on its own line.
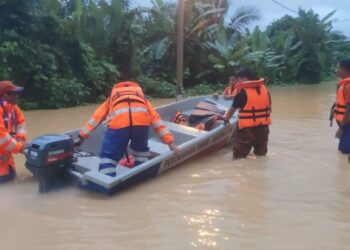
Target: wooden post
column 179, row 51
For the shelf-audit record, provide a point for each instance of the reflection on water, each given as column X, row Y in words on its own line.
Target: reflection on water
column 298, row 197
column 204, row 224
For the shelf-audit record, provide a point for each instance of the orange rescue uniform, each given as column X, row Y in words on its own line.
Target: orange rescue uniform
column 12, row 135
column 127, row 107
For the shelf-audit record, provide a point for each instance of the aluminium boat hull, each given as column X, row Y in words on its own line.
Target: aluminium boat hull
column 190, row 141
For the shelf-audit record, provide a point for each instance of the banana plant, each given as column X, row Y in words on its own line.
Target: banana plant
column 200, row 17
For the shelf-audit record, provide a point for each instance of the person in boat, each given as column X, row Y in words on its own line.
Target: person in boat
column 341, row 111
column 231, row 89
column 128, row 115
column 203, row 116
column 180, row 118
column 254, row 103
column 13, row 135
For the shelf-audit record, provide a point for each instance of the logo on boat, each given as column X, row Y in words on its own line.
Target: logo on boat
column 178, row 158
column 187, row 153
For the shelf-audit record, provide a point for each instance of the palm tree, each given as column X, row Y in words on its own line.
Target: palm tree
column 242, row 18
column 227, row 51
column 313, row 52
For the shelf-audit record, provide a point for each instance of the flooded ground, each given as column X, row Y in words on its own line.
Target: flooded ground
column 298, row 197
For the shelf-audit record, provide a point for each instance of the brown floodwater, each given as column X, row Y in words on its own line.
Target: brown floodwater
column 297, row 197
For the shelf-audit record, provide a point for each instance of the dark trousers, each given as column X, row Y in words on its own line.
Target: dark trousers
column 115, row 144
column 9, row 177
column 246, row 138
column 344, row 141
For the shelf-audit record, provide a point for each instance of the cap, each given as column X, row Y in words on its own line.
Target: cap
column 8, row 86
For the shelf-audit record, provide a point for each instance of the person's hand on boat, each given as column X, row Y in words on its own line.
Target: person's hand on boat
column 220, row 118
column 173, row 147
column 22, row 141
column 223, row 118
column 339, row 133
column 78, row 141
column 25, row 146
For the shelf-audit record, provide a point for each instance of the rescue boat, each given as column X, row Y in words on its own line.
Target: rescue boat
column 50, row 156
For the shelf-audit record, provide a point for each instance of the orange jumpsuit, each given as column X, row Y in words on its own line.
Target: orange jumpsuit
column 12, row 136
column 128, row 115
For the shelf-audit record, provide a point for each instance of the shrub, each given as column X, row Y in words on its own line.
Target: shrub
column 205, row 89
column 59, row 93
column 156, row 87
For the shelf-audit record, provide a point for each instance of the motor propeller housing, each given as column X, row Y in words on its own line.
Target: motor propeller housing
column 48, row 157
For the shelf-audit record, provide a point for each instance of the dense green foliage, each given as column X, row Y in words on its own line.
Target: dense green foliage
column 70, row 52
column 205, row 89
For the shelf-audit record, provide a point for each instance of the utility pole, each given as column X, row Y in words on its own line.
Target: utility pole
column 180, row 51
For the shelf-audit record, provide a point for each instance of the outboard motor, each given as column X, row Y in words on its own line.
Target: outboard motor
column 48, row 157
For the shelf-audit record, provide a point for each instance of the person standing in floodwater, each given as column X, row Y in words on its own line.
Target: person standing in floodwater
column 13, row 135
column 341, row 112
column 254, row 103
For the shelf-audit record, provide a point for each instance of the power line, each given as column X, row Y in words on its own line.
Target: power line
column 283, row 6
column 341, row 21
column 287, row 8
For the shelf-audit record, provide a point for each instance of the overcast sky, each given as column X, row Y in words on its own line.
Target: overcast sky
column 271, row 11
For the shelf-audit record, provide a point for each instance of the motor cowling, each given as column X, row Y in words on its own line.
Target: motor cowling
column 48, row 157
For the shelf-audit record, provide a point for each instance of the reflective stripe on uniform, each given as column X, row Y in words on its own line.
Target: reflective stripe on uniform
column 163, row 132
column 93, row 123
column 141, row 154
column 5, row 138
column 158, row 124
column 85, row 131
column 21, row 129
column 107, row 161
column 126, row 110
column 12, row 145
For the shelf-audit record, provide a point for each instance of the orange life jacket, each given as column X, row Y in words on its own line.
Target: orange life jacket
column 257, row 110
column 178, row 118
column 127, row 107
column 12, row 129
column 340, row 104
